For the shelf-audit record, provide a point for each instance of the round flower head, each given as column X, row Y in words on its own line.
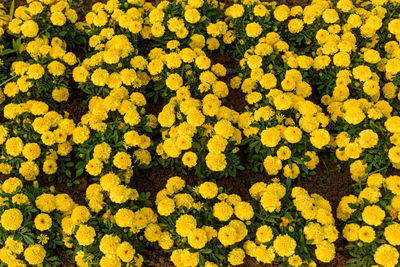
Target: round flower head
column 208, row 190
column 11, row 219
column 35, row 254
column 43, row 222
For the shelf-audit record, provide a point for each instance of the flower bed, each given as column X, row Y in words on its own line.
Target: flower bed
column 218, row 134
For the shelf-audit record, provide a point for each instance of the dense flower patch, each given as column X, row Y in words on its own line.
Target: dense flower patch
column 323, row 78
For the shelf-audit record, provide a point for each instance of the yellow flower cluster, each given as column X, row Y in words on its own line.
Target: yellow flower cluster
column 181, row 204
column 18, row 210
column 283, row 134
column 46, row 56
column 188, row 127
column 177, row 199
column 53, row 141
column 319, row 227
column 56, row 13
column 78, row 223
column 128, row 111
column 377, row 220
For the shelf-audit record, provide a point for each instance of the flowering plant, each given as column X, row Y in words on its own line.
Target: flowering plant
column 371, row 217
column 115, row 64
column 114, row 134
column 35, row 138
column 189, row 126
column 47, row 18
column 366, row 135
column 42, row 73
column 291, row 226
column 284, row 128
column 188, row 23
column 185, row 71
column 108, row 231
column 30, row 224
column 200, row 226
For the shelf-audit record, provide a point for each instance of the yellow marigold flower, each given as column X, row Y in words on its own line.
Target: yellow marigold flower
column 222, row 211
column 257, row 190
column 56, row 68
column 293, row 134
column 227, row 235
column 14, row 146
column 11, row 219
column 270, row 202
column 124, row 217
column 175, row 184
column 284, row 245
column 122, row 160
column 80, row 74
column 366, row 234
column 253, row 29
column 85, row 235
column 185, row 224
column 94, row 167
column 80, row 215
column 393, row 184
column 244, row 211
column 295, row 25
column 394, row 154
column 189, row 159
column 60, row 94
column 58, row 18
column 272, row 165
column 372, row 194
column 197, row 238
column 15, row 246
column 109, row 244
column 125, row 252
column 330, row 16
column 35, row 254
column 281, row 13
column 373, row 215
column 46, row 202
column 350, row 232
column 208, row 190
column 166, row 206
column 295, row 261
column 386, row 255
column 235, row 11
column 43, row 222
column 325, row 251
column 29, row 28
column 270, row 137
column 264, row 234
column 216, row 161
column 192, row 15
column 152, row 232
column 11, row 185
column 392, row 234
column 236, row 256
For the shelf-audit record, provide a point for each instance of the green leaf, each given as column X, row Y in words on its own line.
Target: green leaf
column 12, row 9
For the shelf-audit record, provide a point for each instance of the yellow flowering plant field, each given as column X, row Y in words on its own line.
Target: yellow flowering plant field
column 184, row 99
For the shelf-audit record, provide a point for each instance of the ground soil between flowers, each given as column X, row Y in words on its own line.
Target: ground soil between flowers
column 329, row 182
